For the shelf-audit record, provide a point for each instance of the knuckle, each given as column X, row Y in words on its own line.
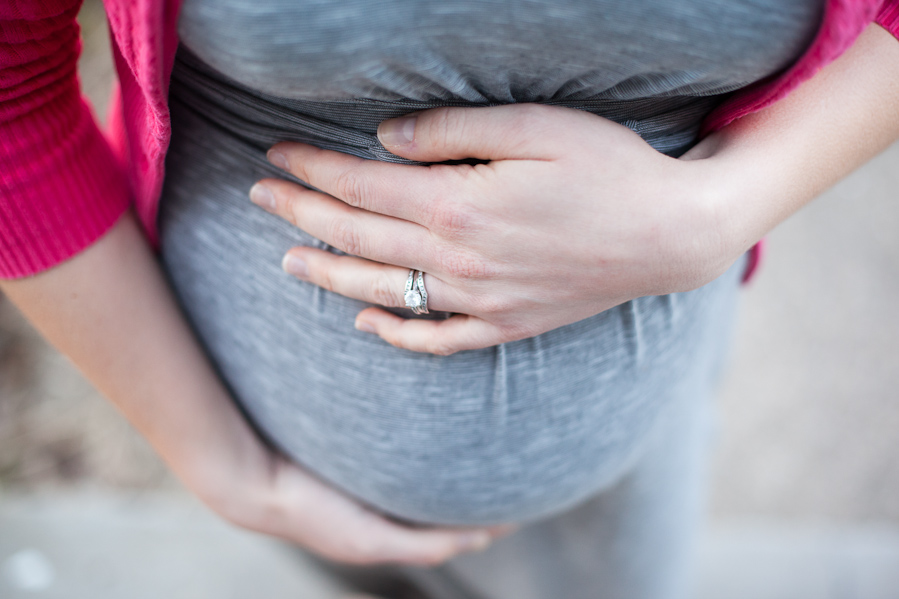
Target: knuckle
column 303, row 163
column 383, row 292
column 462, row 265
column 324, row 279
column 297, row 165
column 353, row 187
column 292, row 210
column 345, row 236
column 451, row 218
column 440, row 126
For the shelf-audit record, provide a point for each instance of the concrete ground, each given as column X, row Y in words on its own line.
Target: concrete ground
column 149, row 546
column 805, row 497
column 810, row 407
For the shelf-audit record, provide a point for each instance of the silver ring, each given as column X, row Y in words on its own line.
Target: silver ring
column 423, row 308
column 411, row 295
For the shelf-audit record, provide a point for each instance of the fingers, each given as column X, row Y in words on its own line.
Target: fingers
column 402, row 191
column 379, row 540
column 305, row 510
column 384, row 285
column 441, row 337
column 365, row 280
column 351, row 230
column 400, row 544
column 509, row 132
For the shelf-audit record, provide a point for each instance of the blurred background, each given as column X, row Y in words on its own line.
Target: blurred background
column 805, row 495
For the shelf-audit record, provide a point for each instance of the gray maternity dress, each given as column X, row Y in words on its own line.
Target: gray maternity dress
column 608, row 414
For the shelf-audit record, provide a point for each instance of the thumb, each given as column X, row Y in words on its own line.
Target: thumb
column 508, row 132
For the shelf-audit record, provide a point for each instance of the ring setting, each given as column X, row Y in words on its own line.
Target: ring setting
column 415, row 295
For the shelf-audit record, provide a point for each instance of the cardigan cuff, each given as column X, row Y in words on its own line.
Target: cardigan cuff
column 56, row 198
column 888, row 17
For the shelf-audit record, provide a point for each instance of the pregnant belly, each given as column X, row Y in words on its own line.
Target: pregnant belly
column 508, row 433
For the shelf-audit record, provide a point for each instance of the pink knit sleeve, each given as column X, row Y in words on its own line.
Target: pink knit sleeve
column 61, row 186
column 888, row 17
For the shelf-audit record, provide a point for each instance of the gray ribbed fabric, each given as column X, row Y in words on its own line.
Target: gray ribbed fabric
column 515, row 432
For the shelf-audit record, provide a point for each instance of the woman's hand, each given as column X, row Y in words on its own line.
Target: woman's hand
column 280, row 499
column 110, row 311
column 572, row 215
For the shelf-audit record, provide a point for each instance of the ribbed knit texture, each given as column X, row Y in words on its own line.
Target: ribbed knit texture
column 888, row 17
column 61, row 185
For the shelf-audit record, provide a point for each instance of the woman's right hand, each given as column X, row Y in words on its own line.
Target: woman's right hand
column 110, row 310
column 283, row 500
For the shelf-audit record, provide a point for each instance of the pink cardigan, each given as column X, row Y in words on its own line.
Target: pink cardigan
column 63, row 183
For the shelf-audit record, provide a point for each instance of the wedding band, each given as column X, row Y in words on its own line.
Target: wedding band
column 423, row 308
column 411, row 295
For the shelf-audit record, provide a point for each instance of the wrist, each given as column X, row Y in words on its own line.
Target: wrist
column 738, row 195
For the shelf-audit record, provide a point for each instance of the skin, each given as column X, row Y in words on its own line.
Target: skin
column 518, row 246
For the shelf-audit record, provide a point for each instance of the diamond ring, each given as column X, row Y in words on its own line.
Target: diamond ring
column 414, row 294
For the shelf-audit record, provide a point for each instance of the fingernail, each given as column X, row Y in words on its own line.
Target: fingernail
column 263, row 196
column 296, row 266
column 278, row 159
column 397, row 132
column 365, row 327
column 475, row 541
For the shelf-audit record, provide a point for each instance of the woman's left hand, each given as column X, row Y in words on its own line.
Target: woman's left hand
column 572, row 215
